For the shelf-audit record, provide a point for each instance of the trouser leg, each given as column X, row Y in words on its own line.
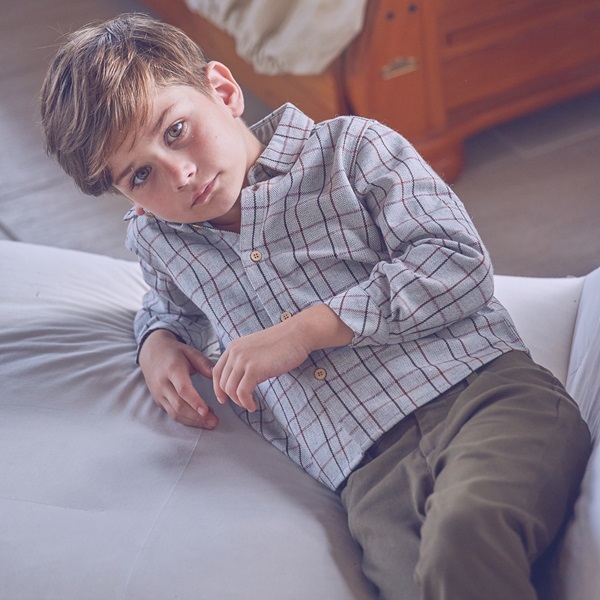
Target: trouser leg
column 493, row 468
column 385, row 502
column 507, row 467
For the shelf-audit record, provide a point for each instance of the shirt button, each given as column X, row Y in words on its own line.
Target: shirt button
column 285, row 315
column 320, row 374
column 255, row 255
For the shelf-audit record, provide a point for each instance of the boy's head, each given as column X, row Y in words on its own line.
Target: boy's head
column 99, row 87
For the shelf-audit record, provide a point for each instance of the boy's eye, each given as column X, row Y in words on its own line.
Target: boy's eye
column 174, row 132
column 140, row 176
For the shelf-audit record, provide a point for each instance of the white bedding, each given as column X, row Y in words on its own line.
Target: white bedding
column 102, row 496
column 301, row 37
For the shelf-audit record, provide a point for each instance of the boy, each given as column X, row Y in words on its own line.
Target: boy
column 352, row 300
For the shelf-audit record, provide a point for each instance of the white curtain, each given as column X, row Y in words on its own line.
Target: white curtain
column 300, row 37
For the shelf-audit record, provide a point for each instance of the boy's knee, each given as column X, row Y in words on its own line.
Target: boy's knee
column 476, row 546
column 469, row 532
column 449, row 539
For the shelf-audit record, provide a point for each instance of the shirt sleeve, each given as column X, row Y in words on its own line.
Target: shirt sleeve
column 165, row 306
column 438, row 271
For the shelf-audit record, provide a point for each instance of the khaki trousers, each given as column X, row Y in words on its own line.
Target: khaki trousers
column 461, row 498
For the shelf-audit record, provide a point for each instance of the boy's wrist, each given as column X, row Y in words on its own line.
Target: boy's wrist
column 158, row 337
column 319, row 327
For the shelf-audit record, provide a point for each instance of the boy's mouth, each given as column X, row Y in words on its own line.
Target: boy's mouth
column 204, row 192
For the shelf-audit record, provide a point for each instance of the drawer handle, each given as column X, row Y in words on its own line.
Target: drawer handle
column 399, row 66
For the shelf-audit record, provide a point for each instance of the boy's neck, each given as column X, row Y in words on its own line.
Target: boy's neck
column 232, row 220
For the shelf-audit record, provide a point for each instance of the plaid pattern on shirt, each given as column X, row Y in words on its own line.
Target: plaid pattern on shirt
column 346, row 213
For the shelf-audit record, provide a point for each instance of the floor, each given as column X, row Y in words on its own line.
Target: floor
column 532, row 185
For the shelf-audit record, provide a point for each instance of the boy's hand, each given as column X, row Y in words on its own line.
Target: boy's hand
column 254, row 358
column 168, row 366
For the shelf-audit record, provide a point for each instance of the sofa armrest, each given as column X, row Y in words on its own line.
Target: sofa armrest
column 544, row 311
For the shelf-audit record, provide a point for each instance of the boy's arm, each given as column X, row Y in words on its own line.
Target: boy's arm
column 168, row 363
column 175, row 341
column 254, row 358
column 166, row 307
column 435, row 271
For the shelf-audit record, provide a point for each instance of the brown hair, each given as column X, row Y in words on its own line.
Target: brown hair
column 99, row 87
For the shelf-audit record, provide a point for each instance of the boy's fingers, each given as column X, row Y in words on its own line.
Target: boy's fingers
column 219, row 392
column 235, row 386
column 193, row 419
column 244, row 393
column 230, row 381
column 210, row 421
column 200, row 363
column 185, row 395
column 182, row 412
column 217, row 377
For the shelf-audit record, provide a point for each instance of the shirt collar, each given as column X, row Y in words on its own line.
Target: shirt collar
column 284, row 133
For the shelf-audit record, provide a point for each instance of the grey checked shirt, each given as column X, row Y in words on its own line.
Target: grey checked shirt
column 345, row 213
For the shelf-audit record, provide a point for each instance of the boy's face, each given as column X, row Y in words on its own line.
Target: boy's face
column 188, row 164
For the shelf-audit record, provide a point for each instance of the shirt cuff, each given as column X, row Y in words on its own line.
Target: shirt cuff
column 360, row 313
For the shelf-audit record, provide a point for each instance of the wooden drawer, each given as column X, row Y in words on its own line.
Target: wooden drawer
column 495, row 52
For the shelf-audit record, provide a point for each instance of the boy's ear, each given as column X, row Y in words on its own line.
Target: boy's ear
column 225, row 87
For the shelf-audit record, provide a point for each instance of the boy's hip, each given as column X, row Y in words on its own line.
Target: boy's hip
column 512, row 385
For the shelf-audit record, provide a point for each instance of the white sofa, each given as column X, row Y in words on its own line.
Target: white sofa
column 103, row 497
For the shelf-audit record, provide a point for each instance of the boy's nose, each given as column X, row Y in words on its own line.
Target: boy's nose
column 181, row 172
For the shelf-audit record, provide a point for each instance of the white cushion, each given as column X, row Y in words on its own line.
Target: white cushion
column 544, row 312
column 103, row 496
column 578, row 570
column 584, row 365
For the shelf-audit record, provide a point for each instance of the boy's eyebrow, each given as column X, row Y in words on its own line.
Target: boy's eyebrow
column 155, row 131
column 159, row 124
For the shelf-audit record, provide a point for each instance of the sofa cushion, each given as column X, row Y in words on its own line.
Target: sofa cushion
column 577, row 576
column 544, row 311
column 584, row 366
column 103, row 496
